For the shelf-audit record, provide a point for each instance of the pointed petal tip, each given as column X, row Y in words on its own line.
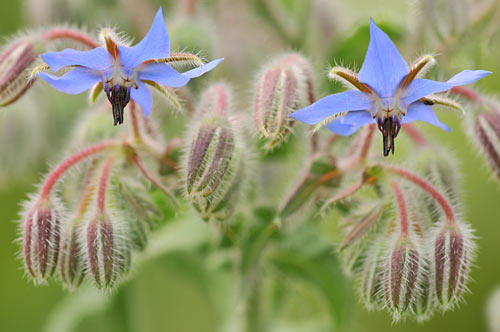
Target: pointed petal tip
column 154, row 45
column 383, row 67
column 196, row 72
column 374, row 27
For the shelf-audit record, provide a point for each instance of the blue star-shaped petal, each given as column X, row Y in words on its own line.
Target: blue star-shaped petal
column 123, row 71
column 389, row 94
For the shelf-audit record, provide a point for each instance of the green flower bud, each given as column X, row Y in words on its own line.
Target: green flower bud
column 71, row 261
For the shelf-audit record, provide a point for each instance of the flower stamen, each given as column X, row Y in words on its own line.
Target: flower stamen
column 118, row 96
column 389, row 127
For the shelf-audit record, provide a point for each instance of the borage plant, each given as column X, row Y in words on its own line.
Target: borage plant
column 403, row 239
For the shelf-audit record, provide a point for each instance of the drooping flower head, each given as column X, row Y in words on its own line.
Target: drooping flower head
column 121, row 71
column 386, row 91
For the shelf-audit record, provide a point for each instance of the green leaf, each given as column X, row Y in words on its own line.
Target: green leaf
column 308, row 259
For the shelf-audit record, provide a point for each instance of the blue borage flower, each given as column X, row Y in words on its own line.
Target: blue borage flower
column 388, row 93
column 123, row 71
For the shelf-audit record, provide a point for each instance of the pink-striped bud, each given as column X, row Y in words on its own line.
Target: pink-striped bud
column 453, row 251
column 487, row 132
column 15, row 61
column 213, row 165
column 107, row 252
column 401, row 276
column 71, row 261
column 41, row 237
column 283, row 87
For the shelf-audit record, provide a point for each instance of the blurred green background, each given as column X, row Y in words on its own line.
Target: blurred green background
column 181, row 291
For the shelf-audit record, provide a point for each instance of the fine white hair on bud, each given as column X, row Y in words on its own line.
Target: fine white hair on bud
column 371, row 275
column 41, row 233
column 71, row 262
column 106, row 250
column 487, row 134
column 425, row 302
column 283, row 86
column 453, row 253
column 16, row 59
column 213, row 163
column 401, row 275
column 131, row 200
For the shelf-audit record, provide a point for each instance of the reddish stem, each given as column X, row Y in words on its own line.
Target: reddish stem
column 466, row 93
column 135, row 121
column 84, row 203
column 359, row 150
column 367, row 141
column 426, row 186
column 345, row 193
column 65, row 165
column 403, row 213
column 221, row 101
column 415, row 134
column 151, row 178
column 103, row 184
column 63, row 33
column 87, row 189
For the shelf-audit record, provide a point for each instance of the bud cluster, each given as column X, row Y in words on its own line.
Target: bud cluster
column 407, row 260
column 283, row 86
column 87, row 228
column 214, row 163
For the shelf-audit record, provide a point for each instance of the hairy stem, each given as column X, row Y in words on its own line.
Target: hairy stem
column 89, row 185
column 426, row 186
column 64, row 33
column 359, row 151
column 135, row 122
column 344, row 193
column 72, row 160
column 155, row 181
column 103, row 184
column 403, row 213
column 415, row 135
column 467, row 93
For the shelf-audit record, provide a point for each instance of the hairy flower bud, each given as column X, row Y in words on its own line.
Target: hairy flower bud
column 487, row 132
column 107, row 251
column 401, row 276
column 71, row 262
column 371, row 276
column 453, row 248
column 15, row 62
column 283, row 86
column 213, row 165
column 137, row 209
column 425, row 303
column 41, row 239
